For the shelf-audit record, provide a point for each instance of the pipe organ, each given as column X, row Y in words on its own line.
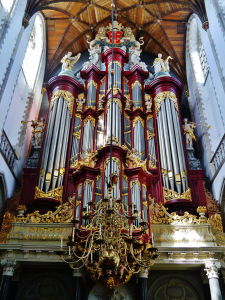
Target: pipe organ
column 149, row 152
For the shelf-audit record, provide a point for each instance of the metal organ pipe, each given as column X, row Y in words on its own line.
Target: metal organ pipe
column 59, row 146
column 53, row 145
column 179, row 146
column 47, row 145
column 167, row 146
column 162, row 150
column 173, row 145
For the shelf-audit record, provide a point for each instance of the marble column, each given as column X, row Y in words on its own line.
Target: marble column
column 9, row 267
column 211, row 268
column 77, row 284
column 141, row 286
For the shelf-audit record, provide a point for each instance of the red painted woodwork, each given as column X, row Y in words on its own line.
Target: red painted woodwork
column 92, row 73
column 138, row 174
column 197, row 188
column 119, row 55
column 29, row 183
column 165, row 84
column 136, row 73
column 180, row 206
column 85, row 173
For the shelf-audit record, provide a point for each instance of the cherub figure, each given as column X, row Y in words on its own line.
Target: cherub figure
column 122, row 268
column 37, row 132
column 148, row 103
column 89, row 159
column 100, row 102
column 68, row 61
column 133, row 161
column 128, row 103
column 189, row 133
column 80, row 102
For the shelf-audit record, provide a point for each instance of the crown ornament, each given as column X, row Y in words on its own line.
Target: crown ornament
column 116, row 25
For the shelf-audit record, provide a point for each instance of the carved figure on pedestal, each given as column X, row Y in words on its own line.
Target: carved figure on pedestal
column 189, row 133
column 148, row 103
column 80, row 102
column 100, row 36
column 128, row 103
column 89, row 159
column 129, row 36
column 100, row 102
column 161, row 65
column 68, row 61
column 133, row 161
column 37, row 132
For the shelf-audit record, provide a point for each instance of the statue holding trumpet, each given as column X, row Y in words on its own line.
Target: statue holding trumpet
column 189, row 132
column 38, row 129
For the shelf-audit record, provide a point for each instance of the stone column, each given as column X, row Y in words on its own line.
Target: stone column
column 211, row 268
column 9, row 267
column 141, row 286
column 77, row 284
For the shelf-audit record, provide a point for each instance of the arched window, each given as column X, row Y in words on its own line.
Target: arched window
column 202, row 56
column 7, row 4
column 33, row 53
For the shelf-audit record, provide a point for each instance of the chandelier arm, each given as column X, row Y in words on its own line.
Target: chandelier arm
column 76, row 268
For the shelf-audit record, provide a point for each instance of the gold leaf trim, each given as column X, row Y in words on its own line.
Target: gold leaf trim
column 161, row 97
column 138, row 83
column 53, row 194
column 92, row 120
column 169, row 194
column 92, row 82
column 136, row 119
column 77, row 134
column 67, row 96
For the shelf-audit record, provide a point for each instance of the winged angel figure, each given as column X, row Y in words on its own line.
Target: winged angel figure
column 68, row 61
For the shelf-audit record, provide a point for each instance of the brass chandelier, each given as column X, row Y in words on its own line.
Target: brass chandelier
column 110, row 246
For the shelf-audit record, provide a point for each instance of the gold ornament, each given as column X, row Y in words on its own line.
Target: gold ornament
column 67, row 96
column 169, row 194
column 55, row 194
column 161, row 97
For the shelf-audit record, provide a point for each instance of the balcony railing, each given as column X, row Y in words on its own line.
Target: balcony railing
column 218, row 158
column 8, row 152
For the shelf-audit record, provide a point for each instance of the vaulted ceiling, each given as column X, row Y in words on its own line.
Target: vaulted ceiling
column 162, row 23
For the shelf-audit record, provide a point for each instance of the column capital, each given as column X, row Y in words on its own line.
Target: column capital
column 9, row 266
column 212, row 267
column 143, row 273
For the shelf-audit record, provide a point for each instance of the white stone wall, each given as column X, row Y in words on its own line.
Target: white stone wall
column 19, row 97
column 207, row 96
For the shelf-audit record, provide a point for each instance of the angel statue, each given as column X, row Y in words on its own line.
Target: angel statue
column 89, row 159
column 68, row 61
column 133, row 161
column 189, row 133
column 161, row 65
column 38, row 129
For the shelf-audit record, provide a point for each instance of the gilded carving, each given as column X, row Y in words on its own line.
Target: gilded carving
column 53, row 194
column 89, row 159
column 67, row 96
column 77, row 134
column 138, row 83
column 133, row 161
column 169, row 194
column 92, row 120
column 92, row 82
column 216, row 222
column 115, row 100
column 161, row 97
column 136, row 119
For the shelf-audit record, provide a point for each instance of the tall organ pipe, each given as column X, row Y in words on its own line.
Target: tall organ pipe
column 53, row 145
column 47, row 144
column 64, row 148
column 162, row 150
column 173, row 145
column 180, row 145
column 59, row 146
column 167, row 146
